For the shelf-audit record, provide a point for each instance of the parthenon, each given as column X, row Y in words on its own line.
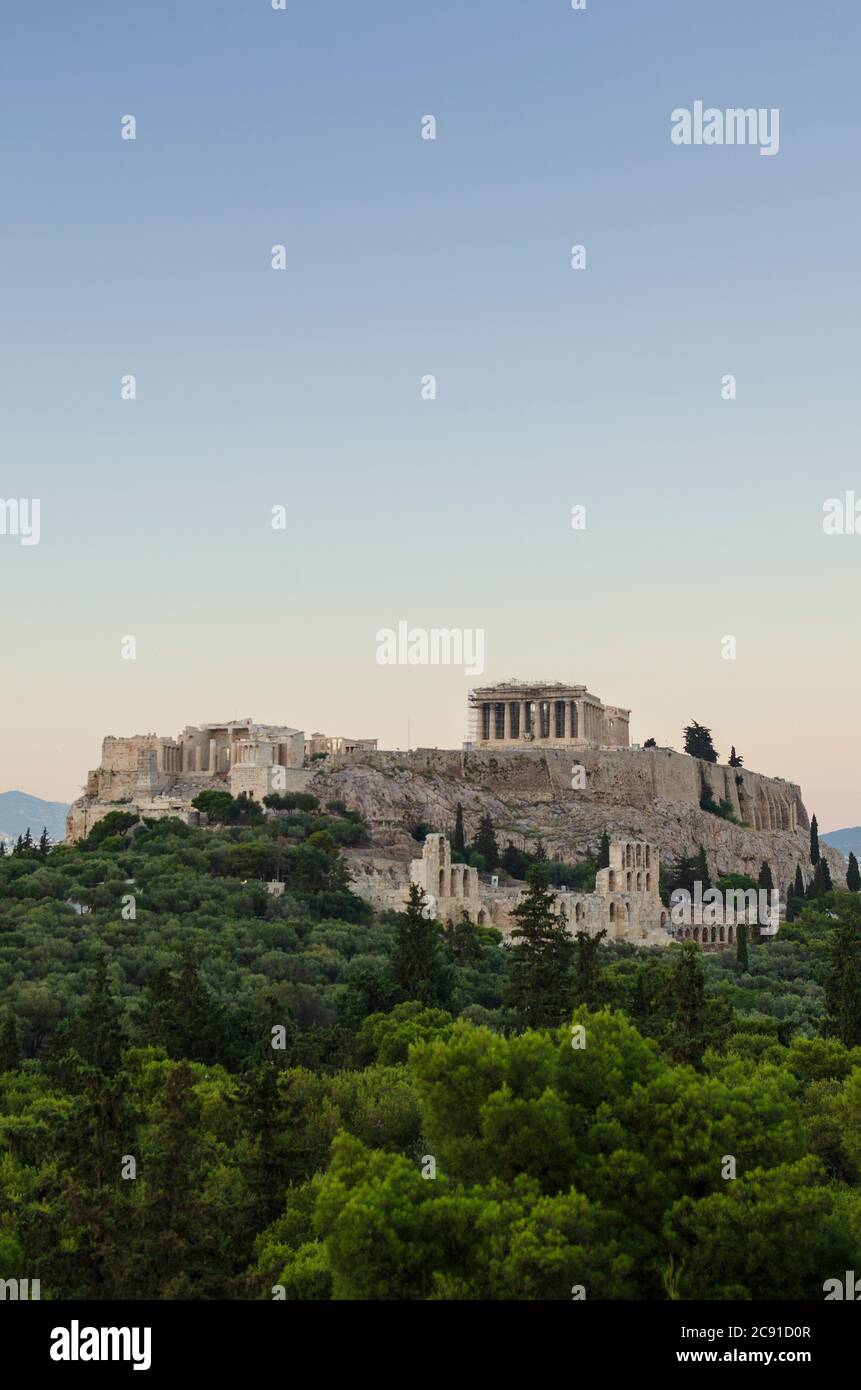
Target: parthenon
column 514, row 712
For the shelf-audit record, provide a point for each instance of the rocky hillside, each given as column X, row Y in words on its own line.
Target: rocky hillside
column 651, row 794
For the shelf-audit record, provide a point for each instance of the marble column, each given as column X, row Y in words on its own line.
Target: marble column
column 506, row 727
column 568, row 733
column 522, row 718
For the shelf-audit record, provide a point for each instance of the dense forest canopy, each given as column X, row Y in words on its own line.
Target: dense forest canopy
column 209, row 1091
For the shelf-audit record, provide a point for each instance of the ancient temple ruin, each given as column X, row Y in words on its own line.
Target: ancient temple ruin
column 513, row 713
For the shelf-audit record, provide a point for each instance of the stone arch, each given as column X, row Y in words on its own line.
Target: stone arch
column 648, row 882
column 612, row 912
column 639, row 882
column 729, row 935
column 611, row 880
column 648, row 856
column 663, row 919
column 721, row 935
column 628, row 882
column 482, row 917
column 442, row 892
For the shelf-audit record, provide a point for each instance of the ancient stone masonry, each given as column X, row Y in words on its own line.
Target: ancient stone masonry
column 159, row 776
column 514, row 713
column 651, row 795
column 626, row 903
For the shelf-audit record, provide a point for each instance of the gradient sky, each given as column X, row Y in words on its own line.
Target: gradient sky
column 406, row 257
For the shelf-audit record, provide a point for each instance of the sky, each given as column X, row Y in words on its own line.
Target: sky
column 258, row 388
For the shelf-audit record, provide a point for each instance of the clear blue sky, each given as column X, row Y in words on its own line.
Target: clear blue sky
column 408, row 257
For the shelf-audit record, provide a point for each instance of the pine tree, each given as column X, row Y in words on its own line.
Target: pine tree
column 19, row 845
column 44, row 843
column 698, row 742
column 765, row 879
column 814, row 841
column 853, row 875
column 741, row 946
column 485, row 844
column 790, row 905
column 798, row 890
column 417, row 963
column 458, row 843
column 540, row 984
column 604, row 852
column 28, row 839
column 826, row 875
column 734, row 759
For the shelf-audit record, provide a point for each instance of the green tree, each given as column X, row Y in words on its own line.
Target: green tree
column 843, row 975
column 540, row 984
column 485, row 844
column 458, row 843
column 741, row 953
column 417, row 962
column 698, row 742
column 798, row 889
column 10, row 1051
column 587, row 969
column 853, row 875
column 95, row 1033
column 217, row 806
column 814, row 841
column 734, row 759
column 604, row 852
column 701, row 869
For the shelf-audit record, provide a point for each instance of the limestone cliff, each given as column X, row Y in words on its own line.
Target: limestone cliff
column 649, row 794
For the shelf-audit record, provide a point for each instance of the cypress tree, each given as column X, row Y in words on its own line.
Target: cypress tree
column 458, row 843
column 604, row 852
column 44, row 843
column 814, row 841
column 417, row 963
column 798, row 890
column 701, row 869
column 95, row 1032
column 587, row 970
column 843, row 980
column 540, row 984
column 485, row 844
column 689, row 1005
column 741, row 946
column 853, row 875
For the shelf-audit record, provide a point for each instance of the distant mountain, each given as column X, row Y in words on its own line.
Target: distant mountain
column 845, row 840
column 18, row 811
